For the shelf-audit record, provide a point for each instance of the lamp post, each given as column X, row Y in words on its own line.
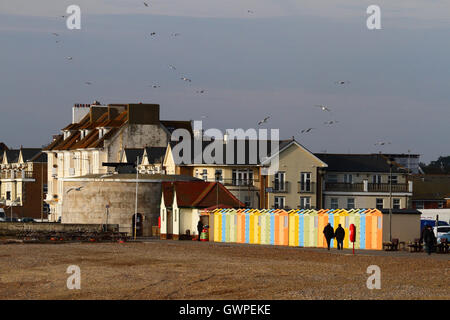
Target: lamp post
column 390, row 162
column 218, row 175
column 136, row 200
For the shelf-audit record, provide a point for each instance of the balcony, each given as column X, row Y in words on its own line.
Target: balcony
column 280, row 187
column 371, row 187
column 306, row 187
column 17, row 175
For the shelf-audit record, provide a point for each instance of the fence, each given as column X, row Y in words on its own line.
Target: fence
column 297, row 228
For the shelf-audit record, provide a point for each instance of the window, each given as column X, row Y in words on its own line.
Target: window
column 279, row 202
column 305, row 181
column 247, row 201
column 218, row 175
column 332, row 178
column 350, row 203
column 334, row 203
column 45, row 188
column 394, row 179
column 278, row 183
column 205, row 174
column 396, row 204
column 440, row 205
column 379, row 203
column 8, row 195
column 196, row 173
column 348, row 178
column 242, row 177
column 420, row 205
column 376, row 178
column 305, row 202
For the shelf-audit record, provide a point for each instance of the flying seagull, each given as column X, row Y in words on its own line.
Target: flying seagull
column 155, row 86
column 69, row 58
column 175, row 34
column 88, row 83
column 263, row 121
column 250, row 11
column 185, row 79
column 55, row 34
column 342, row 82
column 145, row 4
column 324, row 108
column 153, row 34
column 381, row 143
column 306, row 130
column 76, row 189
column 331, row 122
column 200, row 91
column 172, row 67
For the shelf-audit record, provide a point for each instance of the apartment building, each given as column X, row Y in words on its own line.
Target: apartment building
column 364, row 181
column 295, row 184
column 99, row 134
column 23, row 182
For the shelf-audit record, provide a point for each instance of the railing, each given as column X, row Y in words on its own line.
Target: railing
column 306, row 187
column 384, row 187
column 371, row 187
column 342, row 186
column 235, row 182
column 280, row 186
column 16, row 175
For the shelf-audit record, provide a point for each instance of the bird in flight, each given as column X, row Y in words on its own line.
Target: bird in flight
column 76, row 189
column 88, row 83
column 263, row 121
column 175, row 34
column 324, row 108
column 306, row 130
column 153, row 34
column 172, row 67
column 200, row 91
column 342, row 82
column 250, row 11
column 381, row 143
column 185, row 79
column 146, row 4
column 55, row 34
column 330, row 122
column 155, row 86
column 69, row 58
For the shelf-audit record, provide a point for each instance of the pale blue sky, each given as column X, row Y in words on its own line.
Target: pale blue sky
column 279, row 61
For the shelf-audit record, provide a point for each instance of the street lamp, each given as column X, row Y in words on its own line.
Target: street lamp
column 218, row 175
column 390, row 162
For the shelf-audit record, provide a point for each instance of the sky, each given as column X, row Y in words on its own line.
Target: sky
column 279, row 60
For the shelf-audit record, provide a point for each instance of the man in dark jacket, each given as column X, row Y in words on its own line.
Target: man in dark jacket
column 429, row 239
column 340, row 235
column 199, row 228
column 329, row 234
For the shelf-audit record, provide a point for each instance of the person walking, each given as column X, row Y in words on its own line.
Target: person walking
column 329, row 234
column 199, row 228
column 429, row 239
column 340, row 235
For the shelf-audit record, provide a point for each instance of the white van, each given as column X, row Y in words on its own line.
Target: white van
column 2, row 215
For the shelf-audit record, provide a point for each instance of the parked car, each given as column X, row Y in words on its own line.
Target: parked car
column 446, row 236
column 26, row 219
column 429, row 222
column 441, row 230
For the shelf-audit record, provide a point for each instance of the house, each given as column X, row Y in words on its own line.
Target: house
column 182, row 202
column 431, row 191
column 115, row 199
column 23, row 182
column 99, row 134
column 364, row 181
column 294, row 185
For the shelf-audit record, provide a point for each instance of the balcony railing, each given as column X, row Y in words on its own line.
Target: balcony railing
column 280, row 186
column 235, row 182
column 17, row 175
column 306, row 187
column 371, row 187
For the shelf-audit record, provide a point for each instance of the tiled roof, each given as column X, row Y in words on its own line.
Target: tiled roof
column 249, row 158
column 198, row 194
column 357, row 162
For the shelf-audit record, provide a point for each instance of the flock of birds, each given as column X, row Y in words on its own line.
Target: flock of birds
column 324, row 108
